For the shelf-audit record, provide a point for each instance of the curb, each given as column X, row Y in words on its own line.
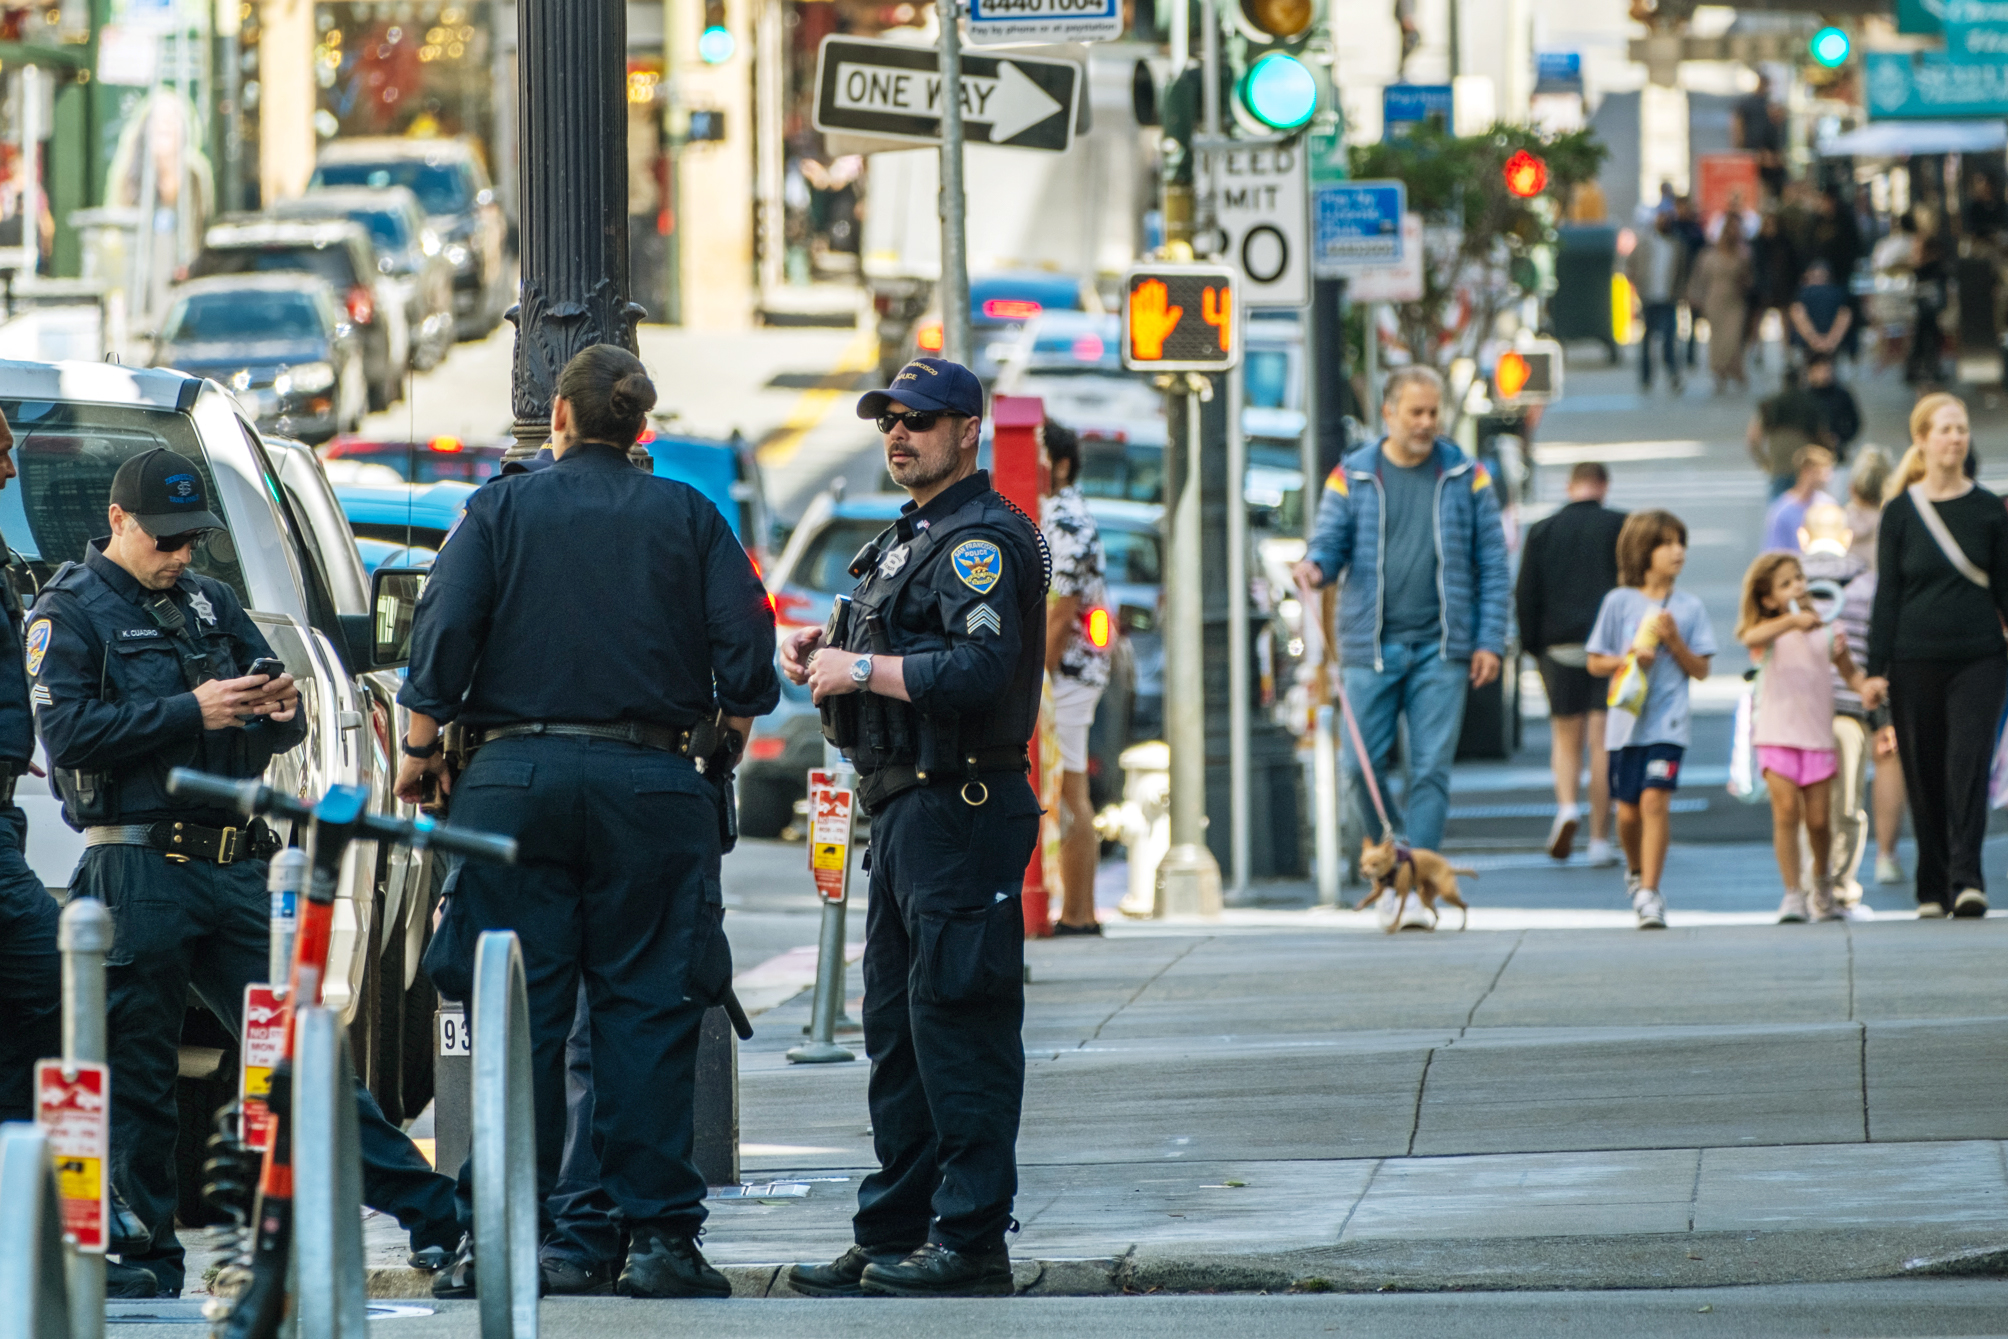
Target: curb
column 1489, row 1264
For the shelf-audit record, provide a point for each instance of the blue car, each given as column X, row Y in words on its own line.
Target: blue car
column 414, row 515
column 727, row 473
column 384, row 553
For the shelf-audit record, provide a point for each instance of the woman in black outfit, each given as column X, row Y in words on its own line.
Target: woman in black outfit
column 1936, row 650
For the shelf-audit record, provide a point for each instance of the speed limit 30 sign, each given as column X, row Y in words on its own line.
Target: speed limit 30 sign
column 1261, row 202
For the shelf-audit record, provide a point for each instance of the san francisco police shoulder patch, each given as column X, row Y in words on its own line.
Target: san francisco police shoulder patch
column 979, row 563
column 38, row 644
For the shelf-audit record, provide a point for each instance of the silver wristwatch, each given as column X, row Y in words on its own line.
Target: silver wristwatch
column 861, row 671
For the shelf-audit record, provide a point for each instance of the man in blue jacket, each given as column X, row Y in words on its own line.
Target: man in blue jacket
column 1412, row 523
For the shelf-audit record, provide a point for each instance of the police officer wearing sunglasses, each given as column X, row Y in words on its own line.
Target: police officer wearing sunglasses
column 928, row 678
column 137, row 664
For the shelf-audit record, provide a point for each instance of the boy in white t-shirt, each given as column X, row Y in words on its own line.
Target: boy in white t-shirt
column 1668, row 635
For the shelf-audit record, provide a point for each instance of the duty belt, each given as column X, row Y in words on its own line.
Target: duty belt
column 876, row 787
column 191, row 841
column 648, row 736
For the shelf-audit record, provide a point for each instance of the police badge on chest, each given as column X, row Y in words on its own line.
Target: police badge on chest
column 890, row 565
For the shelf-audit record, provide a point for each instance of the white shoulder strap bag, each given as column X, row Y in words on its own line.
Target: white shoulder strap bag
column 1946, row 544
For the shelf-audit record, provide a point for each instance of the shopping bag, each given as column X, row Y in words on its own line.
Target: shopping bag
column 1746, row 778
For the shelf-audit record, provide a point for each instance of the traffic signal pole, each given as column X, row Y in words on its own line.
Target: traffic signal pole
column 954, row 200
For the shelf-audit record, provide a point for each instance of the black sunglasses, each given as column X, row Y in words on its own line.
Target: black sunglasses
column 916, row 420
column 175, row 543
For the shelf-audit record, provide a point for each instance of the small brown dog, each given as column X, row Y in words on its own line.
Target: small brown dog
column 1424, row 873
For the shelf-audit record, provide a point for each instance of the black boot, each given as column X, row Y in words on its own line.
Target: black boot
column 936, row 1271
column 126, row 1281
column 566, row 1277
column 662, row 1265
column 457, row 1279
column 840, row 1277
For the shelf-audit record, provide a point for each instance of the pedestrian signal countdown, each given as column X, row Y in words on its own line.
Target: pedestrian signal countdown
column 1530, row 375
column 1181, row 318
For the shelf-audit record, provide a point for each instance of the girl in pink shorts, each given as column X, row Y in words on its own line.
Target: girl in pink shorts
column 1795, row 721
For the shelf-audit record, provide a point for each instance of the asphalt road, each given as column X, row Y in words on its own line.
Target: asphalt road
column 1863, row 1310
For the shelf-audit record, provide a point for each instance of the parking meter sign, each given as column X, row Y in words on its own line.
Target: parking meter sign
column 830, row 819
column 1180, row 318
column 264, row 1045
column 73, row 1107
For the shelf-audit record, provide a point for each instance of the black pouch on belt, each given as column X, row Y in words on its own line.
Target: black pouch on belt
column 840, row 714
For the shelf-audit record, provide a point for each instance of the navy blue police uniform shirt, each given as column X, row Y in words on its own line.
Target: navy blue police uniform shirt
column 972, row 626
column 591, row 593
column 17, row 715
column 111, row 696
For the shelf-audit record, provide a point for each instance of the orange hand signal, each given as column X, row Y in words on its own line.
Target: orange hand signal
column 1219, row 314
column 1152, row 319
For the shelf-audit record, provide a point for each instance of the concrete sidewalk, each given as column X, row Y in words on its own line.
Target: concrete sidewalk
column 1527, row 1109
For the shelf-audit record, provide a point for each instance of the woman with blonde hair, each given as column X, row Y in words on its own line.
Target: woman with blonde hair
column 1936, row 649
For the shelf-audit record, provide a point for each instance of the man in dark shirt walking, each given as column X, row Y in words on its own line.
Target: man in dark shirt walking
column 1570, row 563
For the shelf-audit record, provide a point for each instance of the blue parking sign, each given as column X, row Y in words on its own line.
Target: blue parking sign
column 1356, row 225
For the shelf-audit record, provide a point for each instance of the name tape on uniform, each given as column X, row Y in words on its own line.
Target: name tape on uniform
column 831, row 809
column 73, row 1107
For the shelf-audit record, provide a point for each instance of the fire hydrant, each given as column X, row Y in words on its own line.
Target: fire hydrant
column 1142, row 822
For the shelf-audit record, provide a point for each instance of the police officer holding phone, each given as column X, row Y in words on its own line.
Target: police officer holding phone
column 140, row 664
column 929, row 678
column 603, row 643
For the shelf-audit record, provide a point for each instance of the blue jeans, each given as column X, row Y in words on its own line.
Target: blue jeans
column 1662, row 322
column 1419, row 683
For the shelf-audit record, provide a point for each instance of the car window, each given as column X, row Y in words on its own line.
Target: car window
column 332, row 261
column 389, row 228
column 1125, row 473
column 207, row 317
column 826, row 563
column 421, row 465
column 1132, row 557
column 441, row 187
column 711, row 468
column 67, row 454
column 1266, row 373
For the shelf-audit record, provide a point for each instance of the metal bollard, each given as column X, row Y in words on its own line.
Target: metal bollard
column 34, row 1303
column 505, row 1147
column 85, row 936
column 328, row 1278
column 287, row 883
column 1325, row 806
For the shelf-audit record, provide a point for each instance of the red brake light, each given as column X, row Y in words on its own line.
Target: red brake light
column 447, row 444
column 1089, row 349
column 786, row 603
column 361, row 306
column 1011, row 309
column 929, row 337
column 1098, row 627
column 647, row 436
column 766, row 748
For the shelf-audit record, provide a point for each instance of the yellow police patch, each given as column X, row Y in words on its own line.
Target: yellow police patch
column 1335, row 482
column 38, row 644
column 978, row 563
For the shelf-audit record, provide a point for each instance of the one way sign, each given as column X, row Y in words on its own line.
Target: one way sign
column 892, row 90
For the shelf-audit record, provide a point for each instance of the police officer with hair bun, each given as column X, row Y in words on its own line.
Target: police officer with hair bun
column 929, row 678
column 602, row 643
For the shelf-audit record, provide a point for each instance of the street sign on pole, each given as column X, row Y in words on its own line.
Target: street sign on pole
column 1260, row 205
column 1393, row 283
column 1180, row 318
column 1405, row 106
column 1356, row 225
column 892, row 90
column 1932, row 86
column 1044, row 20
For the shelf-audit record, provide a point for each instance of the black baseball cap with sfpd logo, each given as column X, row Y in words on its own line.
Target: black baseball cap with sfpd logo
column 929, row 384
column 164, row 492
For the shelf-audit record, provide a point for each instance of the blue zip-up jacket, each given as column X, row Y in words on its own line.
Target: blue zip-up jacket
column 1471, row 571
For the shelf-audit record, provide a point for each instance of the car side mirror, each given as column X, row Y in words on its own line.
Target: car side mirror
column 1133, row 619
column 394, row 593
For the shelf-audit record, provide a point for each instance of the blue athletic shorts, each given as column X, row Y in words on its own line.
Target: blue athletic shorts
column 1644, row 767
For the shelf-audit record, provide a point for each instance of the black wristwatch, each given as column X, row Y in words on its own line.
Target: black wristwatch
column 430, row 751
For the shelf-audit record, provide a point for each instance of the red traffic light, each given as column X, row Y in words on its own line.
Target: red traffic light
column 1526, row 175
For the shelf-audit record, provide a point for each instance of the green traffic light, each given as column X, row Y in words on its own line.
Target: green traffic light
column 1279, row 91
column 715, row 45
column 1831, row 47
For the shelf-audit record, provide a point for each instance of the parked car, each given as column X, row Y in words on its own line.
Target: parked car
column 429, row 461
column 999, row 306
column 728, row 473
column 341, row 253
column 279, row 342
column 383, row 553
column 1073, row 361
column 404, row 514
column 408, row 252
column 300, row 578
column 452, row 187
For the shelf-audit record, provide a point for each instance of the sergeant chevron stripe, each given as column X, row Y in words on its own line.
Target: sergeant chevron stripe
column 983, row 616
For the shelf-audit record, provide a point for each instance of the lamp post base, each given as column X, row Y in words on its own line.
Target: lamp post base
column 1188, row 883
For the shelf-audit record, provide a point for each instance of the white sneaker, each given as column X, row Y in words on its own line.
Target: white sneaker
column 1792, row 911
column 1562, row 835
column 1601, row 855
column 1857, row 911
column 1651, row 909
column 1416, row 916
column 1889, row 870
